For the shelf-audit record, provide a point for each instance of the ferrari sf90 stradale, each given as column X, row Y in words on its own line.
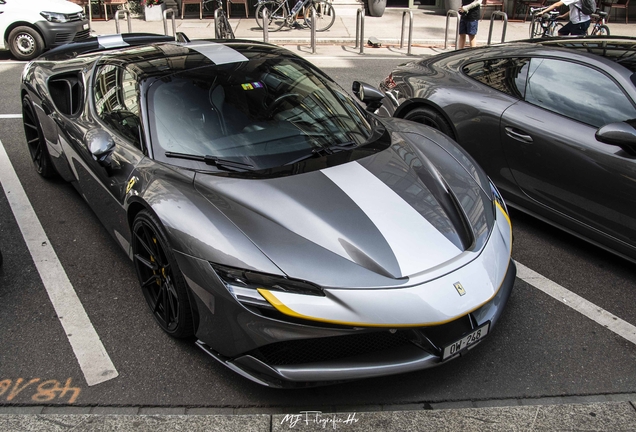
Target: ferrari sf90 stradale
column 300, row 238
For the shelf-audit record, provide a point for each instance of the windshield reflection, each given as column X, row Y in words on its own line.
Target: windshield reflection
column 267, row 112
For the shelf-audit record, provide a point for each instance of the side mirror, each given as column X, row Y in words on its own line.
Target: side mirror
column 368, row 94
column 621, row 134
column 101, row 146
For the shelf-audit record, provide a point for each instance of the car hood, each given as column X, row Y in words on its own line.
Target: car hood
column 376, row 221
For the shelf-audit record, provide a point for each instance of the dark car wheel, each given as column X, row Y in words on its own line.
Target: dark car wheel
column 161, row 280
column 35, row 140
column 25, row 43
column 430, row 117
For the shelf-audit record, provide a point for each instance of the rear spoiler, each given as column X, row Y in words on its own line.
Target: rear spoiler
column 107, row 42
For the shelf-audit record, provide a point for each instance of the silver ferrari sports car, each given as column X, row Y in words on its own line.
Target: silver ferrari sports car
column 297, row 236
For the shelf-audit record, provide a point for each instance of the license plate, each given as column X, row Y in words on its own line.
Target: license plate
column 85, row 26
column 465, row 342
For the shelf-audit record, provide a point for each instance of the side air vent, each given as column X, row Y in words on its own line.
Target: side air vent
column 66, row 92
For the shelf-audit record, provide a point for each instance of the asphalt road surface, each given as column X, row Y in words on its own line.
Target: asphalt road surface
column 542, row 347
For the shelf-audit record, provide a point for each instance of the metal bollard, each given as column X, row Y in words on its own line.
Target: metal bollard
column 408, row 52
column 360, row 29
column 216, row 24
column 448, row 15
column 127, row 13
column 505, row 26
column 265, row 29
column 165, row 23
column 313, row 30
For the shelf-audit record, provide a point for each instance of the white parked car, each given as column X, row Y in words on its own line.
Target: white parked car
column 31, row 26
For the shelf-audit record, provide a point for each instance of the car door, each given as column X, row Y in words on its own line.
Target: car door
column 105, row 184
column 549, row 142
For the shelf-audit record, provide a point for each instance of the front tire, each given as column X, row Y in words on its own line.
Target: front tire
column 162, row 283
column 430, row 117
column 25, row 43
column 35, row 140
column 536, row 30
column 276, row 15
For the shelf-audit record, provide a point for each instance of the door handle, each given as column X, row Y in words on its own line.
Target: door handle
column 518, row 135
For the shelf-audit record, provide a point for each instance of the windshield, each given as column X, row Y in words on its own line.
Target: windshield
column 267, row 112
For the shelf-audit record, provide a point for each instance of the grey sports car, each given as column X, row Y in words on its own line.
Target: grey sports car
column 550, row 121
column 300, row 238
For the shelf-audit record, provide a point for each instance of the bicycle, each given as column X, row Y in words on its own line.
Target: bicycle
column 544, row 26
column 222, row 27
column 279, row 14
column 599, row 28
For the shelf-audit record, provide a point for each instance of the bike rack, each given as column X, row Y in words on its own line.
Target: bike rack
column 505, row 26
column 360, row 29
column 408, row 52
column 265, row 29
column 165, row 23
column 313, row 30
column 127, row 13
column 448, row 16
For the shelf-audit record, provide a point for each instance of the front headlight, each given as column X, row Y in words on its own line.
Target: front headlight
column 54, row 17
column 239, row 280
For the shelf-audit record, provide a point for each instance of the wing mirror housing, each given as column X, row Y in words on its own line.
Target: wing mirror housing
column 369, row 95
column 101, row 145
column 622, row 134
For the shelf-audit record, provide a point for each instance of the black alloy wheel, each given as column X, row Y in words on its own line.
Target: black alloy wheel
column 162, row 283
column 430, row 117
column 35, row 140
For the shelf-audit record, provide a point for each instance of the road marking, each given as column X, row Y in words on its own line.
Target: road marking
column 10, row 116
column 88, row 348
column 578, row 303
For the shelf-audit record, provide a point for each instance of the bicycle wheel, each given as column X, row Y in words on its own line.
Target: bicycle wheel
column 276, row 15
column 325, row 16
column 224, row 29
column 603, row 31
column 535, row 28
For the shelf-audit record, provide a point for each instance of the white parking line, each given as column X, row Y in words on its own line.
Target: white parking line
column 10, row 116
column 88, row 348
column 578, row 303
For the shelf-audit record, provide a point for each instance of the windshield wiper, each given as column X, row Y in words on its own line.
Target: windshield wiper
column 212, row 160
column 324, row 150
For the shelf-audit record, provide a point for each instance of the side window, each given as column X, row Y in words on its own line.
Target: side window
column 116, row 97
column 507, row 75
column 578, row 92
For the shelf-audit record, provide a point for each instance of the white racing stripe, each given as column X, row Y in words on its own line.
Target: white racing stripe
column 416, row 244
column 578, row 303
column 111, row 41
column 88, row 348
column 216, row 52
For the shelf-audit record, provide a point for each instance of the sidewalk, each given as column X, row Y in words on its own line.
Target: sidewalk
column 428, row 30
column 539, row 416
